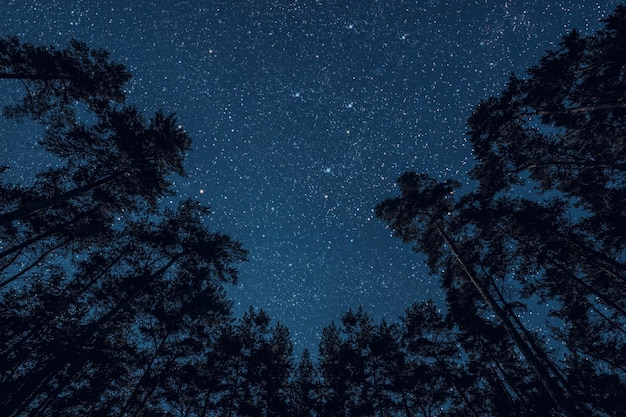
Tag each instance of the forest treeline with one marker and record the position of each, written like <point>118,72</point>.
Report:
<point>113,305</point>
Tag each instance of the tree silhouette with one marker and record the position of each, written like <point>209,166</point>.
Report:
<point>112,160</point>
<point>110,304</point>
<point>143,310</point>
<point>305,388</point>
<point>112,169</point>
<point>560,131</point>
<point>122,157</point>
<point>55,80</point>
<point>432,368</point>
<point>257,366</point>
<point>422,366</point>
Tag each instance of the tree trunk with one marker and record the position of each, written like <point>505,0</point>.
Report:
<point>24,212</point>
<point>34,263</point>
<point>37,384</point>
<point>561,395</point>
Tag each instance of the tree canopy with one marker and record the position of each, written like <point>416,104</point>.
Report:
<point>114,304</point>
<point>56,80</point>
<point>561,133</point>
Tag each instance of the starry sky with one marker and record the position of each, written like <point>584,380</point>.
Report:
<point>303,113</point>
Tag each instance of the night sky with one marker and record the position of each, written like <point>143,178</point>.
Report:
<point>303,114</point>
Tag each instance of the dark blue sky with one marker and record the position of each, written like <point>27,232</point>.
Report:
<point>303,113</point>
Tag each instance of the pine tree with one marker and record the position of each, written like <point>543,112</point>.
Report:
<point>112,161</point>
<point>109,303</point>
<point>359,364</point>
<point>305,388</point>
<point>256,365</point>
<point>560,132</point>
<point>151,305</point>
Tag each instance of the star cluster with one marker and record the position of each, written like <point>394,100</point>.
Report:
<point>303,114</point>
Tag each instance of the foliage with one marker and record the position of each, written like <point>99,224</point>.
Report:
<point>56,80</point>
<point>561,132</point>
<point>112,304</point>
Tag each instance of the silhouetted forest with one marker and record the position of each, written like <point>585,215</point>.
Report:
<point>112,305</point>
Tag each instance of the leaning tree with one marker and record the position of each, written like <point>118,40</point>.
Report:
<point>544,227</point>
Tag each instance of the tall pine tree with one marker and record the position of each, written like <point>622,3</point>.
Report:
<point>561,133</point>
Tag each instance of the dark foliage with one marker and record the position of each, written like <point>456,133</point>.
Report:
<point>56,80</point>
<point>112,305</point>
<point>560,132</point>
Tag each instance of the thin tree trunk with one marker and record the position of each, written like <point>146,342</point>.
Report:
<point>56,229</point>
<point>35,383</point>
<point>34,263</point>
<point>562,396</point>
<point>152,389</point>
<point>24,212</point>
<point>9,262</point>
<point>76,287</point>
<point>18,402</point>
<point>378,394</point>
<point>461,393</point>
<point>144,376</point>
<point>29,242</point>
<point>94,327</point>
<point>574,278</point>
